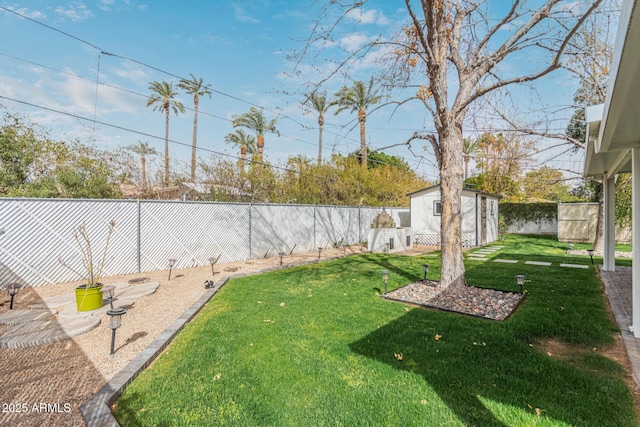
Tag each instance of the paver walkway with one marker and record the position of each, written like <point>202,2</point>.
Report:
<point>617,285</point>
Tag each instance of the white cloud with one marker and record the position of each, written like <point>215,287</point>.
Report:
<point>106,4</point>
<point>75,11</point>
<point>243,17</point>
<point>353,42</point>
<point>368,17</point>
<point>33,14</point>
<point>132,73</point>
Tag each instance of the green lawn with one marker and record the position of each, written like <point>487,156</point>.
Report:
<point>317,346</point>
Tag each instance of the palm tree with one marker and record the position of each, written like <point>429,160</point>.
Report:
<point>163,96</point>
<point>469,149</point>
<point>143,149</point>
<point>246,142</point>
<point>255,121</point>
<point>358,99</point>
<point>320,104</point>
<point>196,88</point>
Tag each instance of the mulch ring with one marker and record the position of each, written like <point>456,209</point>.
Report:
<point>479,302</point>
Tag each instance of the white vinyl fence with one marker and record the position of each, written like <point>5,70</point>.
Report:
<point>36,233</point>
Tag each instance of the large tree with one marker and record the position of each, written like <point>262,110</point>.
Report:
<point>320,104</point>
<point>163,100</point>
<point>256,122</point>
<point>454,52</point>
<point>197,88</point>
<point>358,99</point>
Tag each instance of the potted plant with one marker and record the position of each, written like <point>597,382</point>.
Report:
<point>89,295</point>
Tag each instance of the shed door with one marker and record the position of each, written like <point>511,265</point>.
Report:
<point>483,220</point>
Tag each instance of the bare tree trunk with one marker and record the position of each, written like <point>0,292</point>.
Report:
<point>195,139</point>
<point>166,147</point>
<point>362,117</point>
<point>452,271</point>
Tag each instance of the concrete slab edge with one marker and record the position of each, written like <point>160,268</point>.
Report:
<point>97,410</point>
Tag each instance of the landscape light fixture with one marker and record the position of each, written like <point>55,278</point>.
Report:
<point>319,251</point>
<point>281,255</point>
<point>344,249</point>
<point>107,293</point>
<point>115,320</point>
<point>172,263</point>
<point>520,281</point>
<point>385,278</point>
<point>590,252</point>
<point>387,248</point>
<point>12,288</point>
<point>212,261</point>
<point>570,246</point>
<point>425,268</point>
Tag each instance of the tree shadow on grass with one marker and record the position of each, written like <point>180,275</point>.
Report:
<point>472,363</point>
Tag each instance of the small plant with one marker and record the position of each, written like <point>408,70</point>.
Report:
<point>93,266</point>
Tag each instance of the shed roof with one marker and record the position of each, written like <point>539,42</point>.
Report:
<point>464,190</point>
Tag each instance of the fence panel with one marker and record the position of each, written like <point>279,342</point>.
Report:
<point>335,225</point>
<point>192,232</point>
<point>39,232</point>
<point>34,233</point>
<point>286,228</point>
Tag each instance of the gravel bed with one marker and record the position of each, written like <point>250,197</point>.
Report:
<point>480,302</point>
<point>66,374</point>
<point>585,253</point>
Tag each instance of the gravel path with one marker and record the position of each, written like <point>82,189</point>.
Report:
<point>486,303</point>
<point>46,385</point>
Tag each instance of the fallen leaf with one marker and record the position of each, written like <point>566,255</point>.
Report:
<point>398,356</point>
<point>549,354</point>
<point>424,402</point>
<point>282,304</point>
<point>143,409</point>
<point>437,337</point>
<point>217,377</point>
<point>538,411</point>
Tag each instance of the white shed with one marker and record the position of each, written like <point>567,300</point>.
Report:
<point>479,216</point>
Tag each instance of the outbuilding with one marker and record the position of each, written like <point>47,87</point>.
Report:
<point>479,216</point>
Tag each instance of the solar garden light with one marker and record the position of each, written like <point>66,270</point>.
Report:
<point>319,251</point>
<point>570,245</point>
<point>425,268</point>
<point>13,289</point>
<point>107,293</point>
<point>385,277</point>
<point>344,249</point>
<point>590,252</point>
<point>115,319</point>
<point>387,248</point>
<point>520,281</point>
<point>172,262</point>
<point>281,255</point>
<point>212,261</point>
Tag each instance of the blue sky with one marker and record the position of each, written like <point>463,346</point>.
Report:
<point>238,47</point>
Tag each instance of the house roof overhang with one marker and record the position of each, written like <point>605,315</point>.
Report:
<point>613,128</point>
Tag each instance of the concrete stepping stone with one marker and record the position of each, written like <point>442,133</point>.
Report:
<point>538,263</point>
<point>30,334</point>
<point>71,310</point>
<point>138,291</point>
<point>15,317</point>
<point>574,265</point>
<point>506,261</point>
<point>54,302</point>
<point>477,259</point>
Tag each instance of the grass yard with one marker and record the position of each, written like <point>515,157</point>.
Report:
<point>317,346</point>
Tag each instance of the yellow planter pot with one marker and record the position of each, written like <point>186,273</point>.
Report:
<point>88,299</point>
